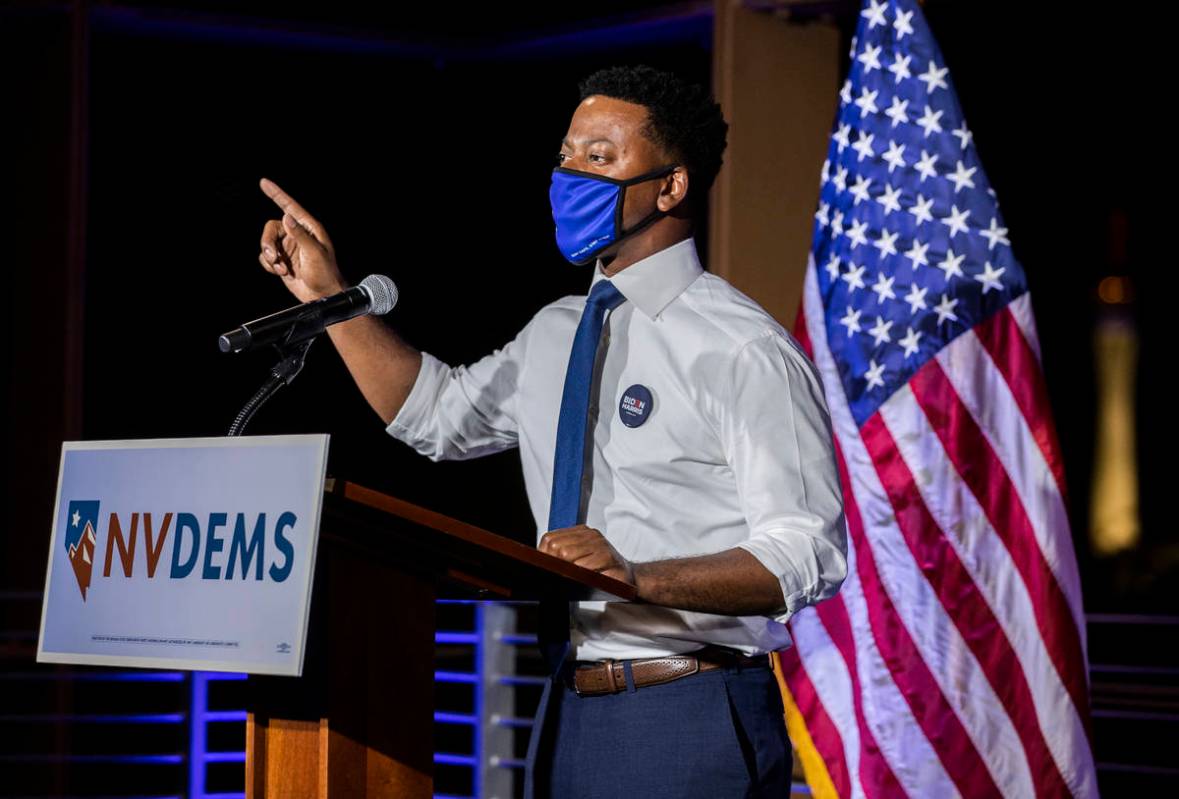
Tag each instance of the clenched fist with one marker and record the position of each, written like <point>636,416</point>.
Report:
<point>588,548</point>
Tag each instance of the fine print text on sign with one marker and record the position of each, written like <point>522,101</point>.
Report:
<point>191,553</point>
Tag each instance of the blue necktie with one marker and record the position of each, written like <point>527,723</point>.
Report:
<point>569,458</point>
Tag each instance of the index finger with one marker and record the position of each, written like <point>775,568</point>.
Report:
<point>287,203</point>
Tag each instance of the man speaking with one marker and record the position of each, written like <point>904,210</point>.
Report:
<point>672,435</point>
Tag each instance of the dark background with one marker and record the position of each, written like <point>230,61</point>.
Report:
<point>422,137</point>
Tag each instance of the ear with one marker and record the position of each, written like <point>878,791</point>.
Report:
<point>673,189</point>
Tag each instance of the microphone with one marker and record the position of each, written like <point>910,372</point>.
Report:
<point>376,294</point>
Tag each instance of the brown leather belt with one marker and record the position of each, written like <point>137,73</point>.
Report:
<point>609,676</point>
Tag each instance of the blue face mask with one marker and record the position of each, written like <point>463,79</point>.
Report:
<point>588,211</point>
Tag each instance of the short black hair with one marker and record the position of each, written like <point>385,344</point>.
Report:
<point>682,117</point>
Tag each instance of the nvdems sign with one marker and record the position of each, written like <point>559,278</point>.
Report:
<point>190,553</point>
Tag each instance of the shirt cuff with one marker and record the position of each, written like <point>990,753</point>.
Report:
<point>806,569</point>
<point>413,419</point>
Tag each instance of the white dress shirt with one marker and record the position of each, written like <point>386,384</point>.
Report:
<point>736,450</point>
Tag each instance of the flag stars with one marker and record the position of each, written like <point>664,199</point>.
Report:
<point>841,137</point>
<point>934,78</point>
<point>945,309</point>
<point>990,278</point>
<point>900,68</point>
<point>860,189</point>
<point>851,320</point>
<point>863,145</point>
<point>883,288</point>
<point>925,166</point>
<point>886,243</point>
<point>856,233</point>
<point>902,24</point>
<point>854,276</point>
<point>870,58</point>
<point>895,155</point>
<point>825,172</point>
<point>837,223</point>
<point>930,121</point>
<point>909,342</point>
<point>921,210</point>
<point>896,112</point>
<point>916,254</point>
<point>890,199</point>
<point>867,101</point>
<point>833,267</point>
<point>961,177</point>
<point>875,13</point>
<point>956,221</point>
<point>840,179</point>
<point>879,331</point>
<point>964,135</point>
<point>845,92</point>
<point>995,234</point>
<point>821,214</point>
<point>952,265</point>
<point>874,375</point>
<point>916,298</point>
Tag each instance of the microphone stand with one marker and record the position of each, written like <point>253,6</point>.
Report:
<point>290,363</point>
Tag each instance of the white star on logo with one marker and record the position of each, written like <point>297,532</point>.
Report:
<point>921,209</point>
<point>909,342</point>
<point>821,215</point>
<point>851,320</point>
<point>945,309</point>
<point>916,298</point>
<point>956,221</point>
<point>896,111</point>
<point>952,265</point>
<point>934,78</point>
<point>870,58</point>
<point>854,277</point>
<point>856,234</point>
<point>873,375</point>
<point>863,145</point>
<point>840,179</point>
<point>867,101</point>
<point>860,189</point>
<point>916,254</point>
<point>883,288</point>
<point>931,121</point>
<point>77,517</point>
<point>995,234</point>
<point>895,156</point>
<point>890,199</point>
<point>962,133</point>
<point>990,278</point>
<point>875,14</point>
<point>886,243</point>
<point>961,177</point>
<point>900,67</point>
<point>840,137</point>
<point>879,331</point>
<point>833,267</point>
<point>926,165</point>
<point>901,24</point>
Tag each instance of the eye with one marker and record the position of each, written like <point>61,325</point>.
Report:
<point>598,158</point>
<point>560,158</point>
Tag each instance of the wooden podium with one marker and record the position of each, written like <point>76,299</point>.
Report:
<point>359,722</point>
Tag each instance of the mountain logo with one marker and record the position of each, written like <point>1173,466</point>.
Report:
<point>80,540</point>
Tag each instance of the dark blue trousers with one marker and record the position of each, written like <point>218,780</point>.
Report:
<point>713,735</point>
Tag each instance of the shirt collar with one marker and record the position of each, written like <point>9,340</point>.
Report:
<point>655,281</point>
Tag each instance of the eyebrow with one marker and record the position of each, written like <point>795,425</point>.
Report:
<point>565,142</point>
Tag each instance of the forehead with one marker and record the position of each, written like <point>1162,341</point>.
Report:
<point>617,121</point>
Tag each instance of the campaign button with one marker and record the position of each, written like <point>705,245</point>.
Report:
<point>635,406</point>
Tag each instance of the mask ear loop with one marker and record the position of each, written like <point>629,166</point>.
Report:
<point>649,218</point>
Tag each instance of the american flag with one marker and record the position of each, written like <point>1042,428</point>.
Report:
<point>952,662</point>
